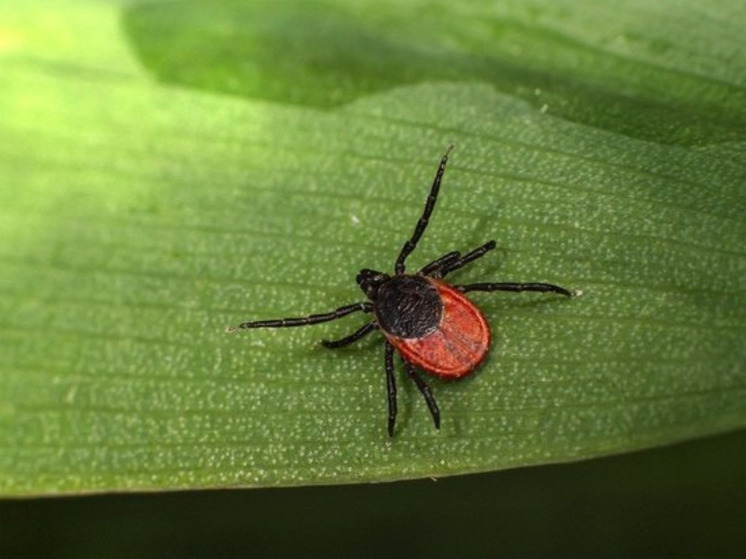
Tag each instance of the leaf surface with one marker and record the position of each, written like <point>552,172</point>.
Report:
<point>142,210</point>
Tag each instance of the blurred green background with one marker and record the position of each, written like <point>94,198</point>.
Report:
<point>687,500</point>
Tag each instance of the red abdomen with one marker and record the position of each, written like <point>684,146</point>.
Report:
<point>457,346</point>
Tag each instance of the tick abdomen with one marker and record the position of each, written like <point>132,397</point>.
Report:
<point>457,346</point>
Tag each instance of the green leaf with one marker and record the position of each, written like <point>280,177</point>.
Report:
<point>645,70</point>
<point>139,217</point>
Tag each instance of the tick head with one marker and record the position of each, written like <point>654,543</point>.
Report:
<point>370,281</point>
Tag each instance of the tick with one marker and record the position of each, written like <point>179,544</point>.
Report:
<point>433,326</point>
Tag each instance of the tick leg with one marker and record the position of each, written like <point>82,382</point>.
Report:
<point>390,386</point>
<point>517,287</point>
<point>419,229</point>
<point>306,320</point>
<point>355,336</point>
<point>426,393</point>
<point>468,258</point>
<point>437,265</point>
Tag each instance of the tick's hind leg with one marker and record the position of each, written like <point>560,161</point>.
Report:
<point>355,336</point>
<point>390,386</point>
<point>426,393</point>
<point>515,287</point>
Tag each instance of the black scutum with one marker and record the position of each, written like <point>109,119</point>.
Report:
<point>408,306</point>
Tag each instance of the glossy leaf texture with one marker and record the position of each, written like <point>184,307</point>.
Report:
<point>146,204</point>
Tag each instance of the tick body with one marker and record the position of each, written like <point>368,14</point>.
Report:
<point>433,326</point>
